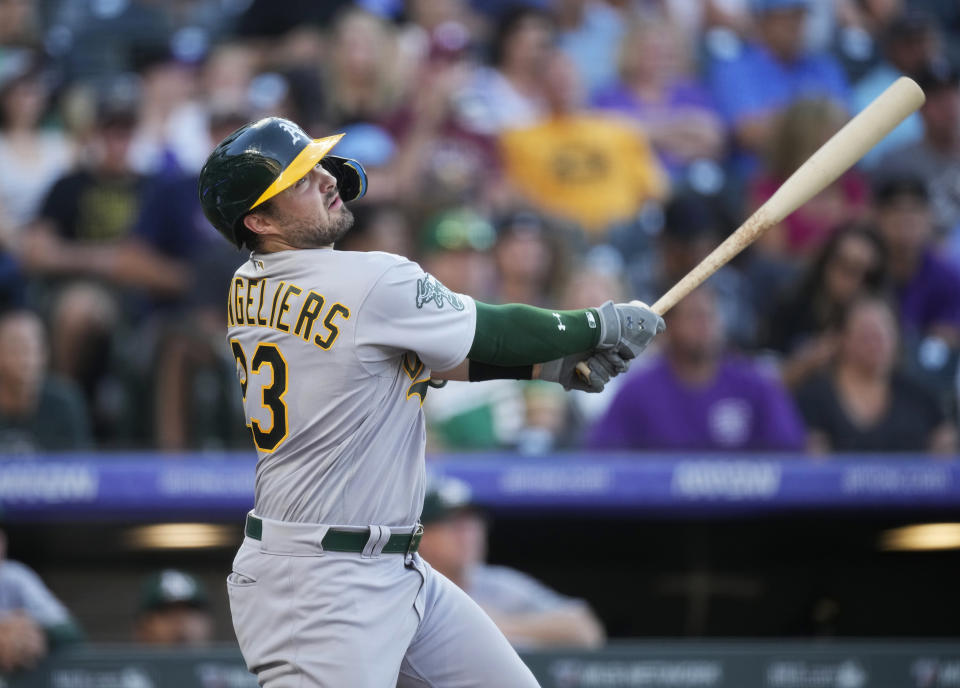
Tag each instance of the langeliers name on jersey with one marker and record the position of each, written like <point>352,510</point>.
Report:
<point>272,304</point>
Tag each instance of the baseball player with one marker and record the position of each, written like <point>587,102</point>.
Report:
<point>335,352</point>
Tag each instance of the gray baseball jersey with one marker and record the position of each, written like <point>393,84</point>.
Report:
<point>334,350</point>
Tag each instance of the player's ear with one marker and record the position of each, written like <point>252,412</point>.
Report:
<point>257,222</point>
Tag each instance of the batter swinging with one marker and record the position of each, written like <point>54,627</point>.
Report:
<point>335,351</point>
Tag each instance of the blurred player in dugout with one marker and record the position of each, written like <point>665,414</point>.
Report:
<point>174,611</point>
<point>527,612</point>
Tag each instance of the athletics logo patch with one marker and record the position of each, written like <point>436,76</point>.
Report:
<point>429,289</point>
<point>295,134</point>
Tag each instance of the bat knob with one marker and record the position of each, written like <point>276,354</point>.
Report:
<point>583,371</point>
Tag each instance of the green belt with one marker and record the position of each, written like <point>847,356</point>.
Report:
<point>349,540</point>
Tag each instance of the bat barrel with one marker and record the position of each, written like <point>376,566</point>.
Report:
<point>823,168</point>
<point>832,159</point>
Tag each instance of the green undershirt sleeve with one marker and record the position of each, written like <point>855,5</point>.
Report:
<point>516,335</point>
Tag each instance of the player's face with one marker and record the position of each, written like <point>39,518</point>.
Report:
<point>310,213</point>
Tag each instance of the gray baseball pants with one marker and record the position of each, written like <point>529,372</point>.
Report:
<point>306,618</point>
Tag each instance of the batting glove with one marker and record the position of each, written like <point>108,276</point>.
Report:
<point>627,328</point>
<point>603,365</point>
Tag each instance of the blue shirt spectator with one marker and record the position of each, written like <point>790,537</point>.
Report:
<point>757,83</point>
<point>590,34</point>
<point>752,82</point>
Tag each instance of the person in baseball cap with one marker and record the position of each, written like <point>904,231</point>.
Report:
<point>526,611</point>
<point>781,25</point>
<point>446,499</point>
<point>174,610</point>
<point>757,79</point>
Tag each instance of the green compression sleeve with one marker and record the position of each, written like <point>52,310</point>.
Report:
<point>517,335</point>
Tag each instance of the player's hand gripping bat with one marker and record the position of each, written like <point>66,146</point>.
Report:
<point>831,160</point>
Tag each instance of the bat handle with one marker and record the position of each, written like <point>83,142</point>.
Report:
<point>583,370</point>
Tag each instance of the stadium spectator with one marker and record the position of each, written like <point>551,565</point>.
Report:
<point>947,15</point>
<point>936,157</point>
<point>910,44</point>
<point>589,34</point>
<point>699,21</point>
<point>442,156</point>
<point>862,403</point>
<point>524,416</point>
<point>33,622</point>
<point>801,130</point>
<point>226,75</point>
<point>19,26</point>
<point>488,418</point>
<point>697,397</point>
<point>529,259</point>
<point>692,228</point>
<point>361,83</point>
<point>270,21</point>
<point>599,278</point>
<point>82,250</point>
<point>169,219</point>
<point>173,611</point>
<point>529,614</point>
<point>655,87</point>
<point>429,15</point>
<point>587,167</point>
<point>12,282</point>
<point>186,327</point>
<point>754,81</point>
<point>927,287</point>
<point>379,227</point>
<point>171,131</point>
<point>32,157</point>
<point>803,325</point>
<point>38,412</point>
<point>454,247</point>
<point>509,93</point>
<point>93,45</point>
<point>869,17</point>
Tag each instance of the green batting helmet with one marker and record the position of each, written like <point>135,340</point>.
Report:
<point>261,159</point>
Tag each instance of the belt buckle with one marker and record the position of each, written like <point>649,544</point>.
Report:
<point>415,538</point>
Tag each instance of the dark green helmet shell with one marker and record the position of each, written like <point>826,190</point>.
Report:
<point>261,159</point>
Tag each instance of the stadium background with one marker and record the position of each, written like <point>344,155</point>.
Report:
<point>551,152</point>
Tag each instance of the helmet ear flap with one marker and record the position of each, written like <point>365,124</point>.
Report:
<point>350,175</point>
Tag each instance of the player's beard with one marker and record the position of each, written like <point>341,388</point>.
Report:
<point>316,233</point>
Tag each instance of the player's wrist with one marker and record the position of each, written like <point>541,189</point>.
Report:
<point>608,334</point>
<point>479,372</point>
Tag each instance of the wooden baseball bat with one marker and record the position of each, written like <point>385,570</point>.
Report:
<point>821,169</point>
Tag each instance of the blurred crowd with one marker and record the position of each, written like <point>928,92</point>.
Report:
<point>552,152</point>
